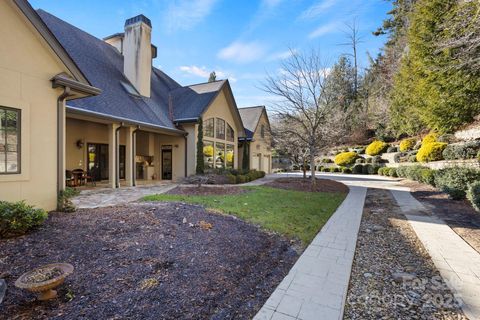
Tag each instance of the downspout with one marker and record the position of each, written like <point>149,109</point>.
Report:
<point>186,153</point>
<point>61,138</point>
<point>134,151</point>
<point>117,156</point>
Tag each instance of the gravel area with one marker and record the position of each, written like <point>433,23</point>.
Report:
<point>458,214</point>
<point>300,184</point>
<point>393,276</point>
<point>147,261</point>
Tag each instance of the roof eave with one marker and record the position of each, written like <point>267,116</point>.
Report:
<point>60,80</point>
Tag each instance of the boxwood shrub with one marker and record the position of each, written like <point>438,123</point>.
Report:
<point>455,180</point>
<point>16,218</point>
<point>376,147</point>
<point>346,170</point>
<point>468,150</point>
<point>473,194</point>
<point>431,152</point>
<point>358,168</point>
<point>345,158</point>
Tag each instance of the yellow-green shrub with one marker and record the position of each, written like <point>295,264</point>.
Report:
<point>431,151</point>
<point>376,147</point>
<point>429,138</point>
<point>407,144</point>
<point>345,158</point>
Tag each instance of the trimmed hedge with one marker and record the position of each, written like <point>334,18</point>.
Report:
<point>407,144</point>
<point>455,180</point>
<point>431,152</point>
<point>16,218</point>
<point>376,147</point>
<point>345,158</point>
<point>468,150</point>
<point>473,194</point>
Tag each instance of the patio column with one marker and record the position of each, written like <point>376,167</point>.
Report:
<point>129,152</point>
<point>112,154</point>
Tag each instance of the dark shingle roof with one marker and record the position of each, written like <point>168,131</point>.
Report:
<point>250,117</point>
<point>102,64</point>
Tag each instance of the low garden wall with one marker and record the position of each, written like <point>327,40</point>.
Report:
<point>472,163</point>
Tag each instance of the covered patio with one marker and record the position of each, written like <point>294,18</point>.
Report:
<point>101,153</point>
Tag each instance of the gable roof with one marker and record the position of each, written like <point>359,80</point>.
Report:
<point>102,65</point>
<point>250,118</point>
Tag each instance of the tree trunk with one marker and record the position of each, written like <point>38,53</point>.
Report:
<point>304,169</point>
<point>312,166</point>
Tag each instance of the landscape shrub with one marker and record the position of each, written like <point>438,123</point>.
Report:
<point>392,172</point>
<point>429,138</point>
<point>407,144</point>
<point>359,150</point>
<point>455,180</point>
<point>367,168</point>
<point>431,152</point>
<point>232,179</point>
<point>412,158</point>
<point>381,171</point>
<point>325,169</point>
<point>401,171</point>
<point>346,170</point>
<point>368,160</point>
<point>473,194</point>
<point>376,147</point>
<point>360,160</point>
<point>448,138</point>
<point>468,150</point>
<point>345,158</point>
<point>392,149</point>
<point>399,157</point>
<point>358,168</point>
<point>16,218</point>
<point>427,176</point>
<point>64,204</point>
<point>327,160</point>
<point>373,169</point>
<point>241,179</point>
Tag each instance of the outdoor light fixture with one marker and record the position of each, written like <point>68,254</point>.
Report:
<point>79,143</point>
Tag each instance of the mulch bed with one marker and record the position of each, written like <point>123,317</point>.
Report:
<point>147,261</point>
<point>458,214</point>
<point>206,191</point>
<point>300,184</point>
<point>388,245</point>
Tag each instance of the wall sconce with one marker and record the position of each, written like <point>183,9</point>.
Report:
<point>176,146</point>
<point>79,144</point>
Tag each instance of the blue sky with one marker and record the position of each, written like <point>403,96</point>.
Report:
<point>241,40</point>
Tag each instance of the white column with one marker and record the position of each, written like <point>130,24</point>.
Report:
<point>112,155</point>
<point>61,146</point>
<point>129,152</point>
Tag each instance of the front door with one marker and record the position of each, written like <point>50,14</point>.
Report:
<point>166,162</point>
<point>97,161</point>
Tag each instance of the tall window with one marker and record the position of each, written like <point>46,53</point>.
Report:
<point>9,140</point>
<point>219,155</point>
<point>208,154</point>
<point>208,127</point>
<point>220,130</point>
<point>229,156</point>
<point>230,133</point>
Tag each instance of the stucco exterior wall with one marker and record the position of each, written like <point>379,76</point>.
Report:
<point>25,85</point>
<point>261,147</point>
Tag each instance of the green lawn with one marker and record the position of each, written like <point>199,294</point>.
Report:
<point>292,213</point>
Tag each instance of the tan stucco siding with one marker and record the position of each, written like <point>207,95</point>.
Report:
<point>192,130</point>
<point>178,155</point>
<point>260,147</point>
<point>26,66</point>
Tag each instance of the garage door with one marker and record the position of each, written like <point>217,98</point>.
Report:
<point>255,163</point>
<point>266,164</point>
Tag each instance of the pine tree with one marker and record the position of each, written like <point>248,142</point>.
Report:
<point>212,77</point>
<point>200,169</point>
<point>246,157</point>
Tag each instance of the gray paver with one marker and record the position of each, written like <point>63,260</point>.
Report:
<point>316,286</point>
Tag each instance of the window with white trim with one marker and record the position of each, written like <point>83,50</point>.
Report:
<point>9,140</point>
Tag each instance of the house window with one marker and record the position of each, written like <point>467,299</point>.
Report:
<point>229,156</point>
<point>230,133</point>
<point>219,155</point>
<point>220,130</point>
<point>262,131</point>
<point>9,140</point>
<point>208,127</point>
<point>208,154</point>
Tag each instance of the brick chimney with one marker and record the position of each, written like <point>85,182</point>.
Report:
<point>137,53</point>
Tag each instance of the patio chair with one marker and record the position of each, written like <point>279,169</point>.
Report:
<point>69,180</point>
<point>90,175</point>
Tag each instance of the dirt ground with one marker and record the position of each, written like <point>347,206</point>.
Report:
<point>300,184</point>
<point>458,214</point>
<point>393,276</point>
<point>206,191</point>
<point>147,261</point>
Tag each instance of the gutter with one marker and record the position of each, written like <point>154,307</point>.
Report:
<point>121,119</point>
<point>62,80</point>
<point>186,153</point>
<point>134,153</point>
<point>61,138</point>
<point>186,120</point>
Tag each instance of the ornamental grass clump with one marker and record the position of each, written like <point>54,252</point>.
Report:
<point>345,158</point>
<point>376,147</point>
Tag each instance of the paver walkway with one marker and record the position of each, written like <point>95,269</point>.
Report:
<point>316,286</point>
<point>458,262</point>
<point>106,197</point>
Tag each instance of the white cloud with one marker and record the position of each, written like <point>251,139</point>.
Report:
<point>317,9</point>
<point>324,29</point>
<point>204,72</point>
<point>185,14</point>
<point>242,52</point>
<point>281,55</point>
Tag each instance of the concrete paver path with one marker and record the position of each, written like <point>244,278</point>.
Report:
<point>316,286</point>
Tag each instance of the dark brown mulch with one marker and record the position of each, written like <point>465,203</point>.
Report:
<point>300,184</point>
<point>387,245</point>
<point>148,261</point>
<point>206,191</point>
<point>458,214</point>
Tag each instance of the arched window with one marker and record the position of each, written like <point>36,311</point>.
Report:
<point>219,145</point>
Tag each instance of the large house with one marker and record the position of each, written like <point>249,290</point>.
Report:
<point>71,101</point>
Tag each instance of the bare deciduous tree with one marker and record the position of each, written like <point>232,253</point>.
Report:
<point>304,103</point>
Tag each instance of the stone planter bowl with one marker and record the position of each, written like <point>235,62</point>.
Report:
<point>44,288</point>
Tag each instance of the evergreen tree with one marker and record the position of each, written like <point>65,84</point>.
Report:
<point>246,156</point>
<point>200,169</point>
<point>212,77</point>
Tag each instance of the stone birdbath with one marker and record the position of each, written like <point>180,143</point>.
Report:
<point>44,279</point>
